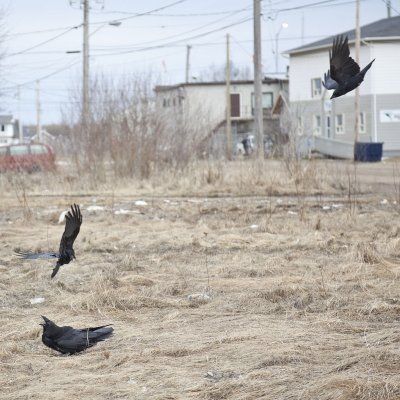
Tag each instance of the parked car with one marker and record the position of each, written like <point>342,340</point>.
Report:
<point>29,157</point>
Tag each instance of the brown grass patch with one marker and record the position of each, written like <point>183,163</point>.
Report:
<point>235,281</point>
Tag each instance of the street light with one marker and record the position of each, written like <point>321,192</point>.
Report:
<point>283,26</point>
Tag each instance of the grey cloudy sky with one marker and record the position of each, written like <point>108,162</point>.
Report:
<point>39,33</point>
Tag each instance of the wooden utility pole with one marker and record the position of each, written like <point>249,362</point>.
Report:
<point>85,81</point>
<point>20,129</point>
<point>228,102</point>
<point>258,112</point>
<point>38,112</point>
<point>187,63</point>
<point>357,91</point>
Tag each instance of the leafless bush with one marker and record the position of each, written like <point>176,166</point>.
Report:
<point>353,188</point>
<point>132,133</point>
<point>19,183</point>
<point>303,172</point>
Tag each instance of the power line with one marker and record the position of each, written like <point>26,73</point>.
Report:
<point>189,31</point>
<point>391,7</point>
<point>206,14</point>
<point>42,43</point>
<point>322,3</point>
<point>38,31</point>
<point>136,15</point>
<point>94,23</point>
<point>178,42</point>
<point>43,77</point>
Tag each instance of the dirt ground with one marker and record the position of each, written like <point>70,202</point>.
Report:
<point>285,287</point>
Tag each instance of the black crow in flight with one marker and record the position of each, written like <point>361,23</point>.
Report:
<point>66,252</point>
<point>344,74</point>
<point>68,340</point>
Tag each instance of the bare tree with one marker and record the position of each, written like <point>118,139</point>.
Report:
<point>216,73</point>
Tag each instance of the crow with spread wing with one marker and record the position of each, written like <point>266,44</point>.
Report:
<point>68,340</point>
<point>66,252</point>
<point>344,74</point>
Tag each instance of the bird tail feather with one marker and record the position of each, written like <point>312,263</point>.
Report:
<point>55,270</point>
<point>364,71</point>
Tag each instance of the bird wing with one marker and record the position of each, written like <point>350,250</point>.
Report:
<point>28,255</point>
<point>342,66</point>
<point>328,82</point>
<point>72,226</point>
<point>98,329</point>
<point>78,340</point>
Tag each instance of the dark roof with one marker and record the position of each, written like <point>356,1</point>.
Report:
<point>266,80</point>
<point>384,28</point>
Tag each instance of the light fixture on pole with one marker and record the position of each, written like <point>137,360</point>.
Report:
<point>284,25</point>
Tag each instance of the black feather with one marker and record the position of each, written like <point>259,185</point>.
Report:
<point>66,251</point>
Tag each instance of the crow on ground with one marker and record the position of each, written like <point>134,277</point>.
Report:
<point>68,340</point>
<point>66,252</point>
<point>344,74</point>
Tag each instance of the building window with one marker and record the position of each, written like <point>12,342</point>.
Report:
<point>362,123</point>
<point>300,126</point>
<point>267,101</point>
<point>317,125</point>
<point>3,128</point>
<point>339,124</point>
<point>316,87</point>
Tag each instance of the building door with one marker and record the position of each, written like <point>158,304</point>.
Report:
<point>235,105</point>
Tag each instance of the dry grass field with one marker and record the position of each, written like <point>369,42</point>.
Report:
<point>228,281</point>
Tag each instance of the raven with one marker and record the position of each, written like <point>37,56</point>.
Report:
<point>344,74</point>
<point>68,340</point>
<point>66,252</point>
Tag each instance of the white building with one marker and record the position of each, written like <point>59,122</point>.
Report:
<point>317,115</point>
<point>208,100</point>
<point>9,130</point>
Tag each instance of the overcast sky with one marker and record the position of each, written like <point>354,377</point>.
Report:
<point>38,33</point>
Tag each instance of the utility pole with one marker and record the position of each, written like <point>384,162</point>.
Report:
<point>188,47</point>
<point>258,112</point>
<point>38,112</point>
<point>228,102</point>
<point>389,8</point>
<point>20,130</point>
<point>85,81</point>
<point>357,92</point>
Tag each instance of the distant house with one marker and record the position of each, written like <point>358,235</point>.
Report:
<point>209,99</point>
<point>333,120</point>
<point>9,130</point>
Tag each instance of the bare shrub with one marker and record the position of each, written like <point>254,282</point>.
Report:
<point>132,133</point>
<point>19,183</point>
<point>366,253</point>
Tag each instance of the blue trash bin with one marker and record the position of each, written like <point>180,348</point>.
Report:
<point>366,151</point>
